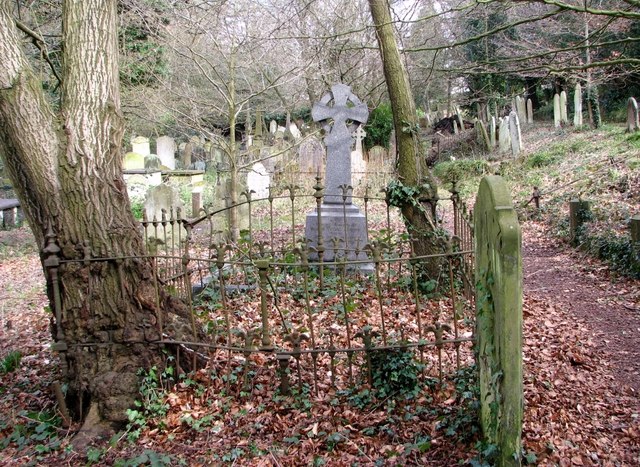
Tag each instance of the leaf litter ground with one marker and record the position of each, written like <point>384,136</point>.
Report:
<point>581,352</point>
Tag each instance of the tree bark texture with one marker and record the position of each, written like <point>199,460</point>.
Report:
<point>411,164</point>
<point>67,172</point>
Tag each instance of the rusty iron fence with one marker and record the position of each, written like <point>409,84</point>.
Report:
<point>268,311</point>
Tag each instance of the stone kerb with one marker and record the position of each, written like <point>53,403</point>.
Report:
<point>499,318</point>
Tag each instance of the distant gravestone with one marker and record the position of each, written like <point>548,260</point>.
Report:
<point>577,106</point>
<point>515,133</point>
<point>504,139</point>
<point>273,127</point>
<point>377,157</point>
<point>258,180</point>
<point>133,161</point>
<point>633,121</point>
<point>166,150</point>
<point>529,111</point>
<point>295,131</point>
<point>338,218</point>
<point>492,132</point>
<point>563,108</point>
<point>140,145</point>
<point>159,198</point>
<point>311,155</point>
<point>521,109</point>
<point>556,111</point>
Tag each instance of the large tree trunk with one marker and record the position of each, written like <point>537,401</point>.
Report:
<point>411,164</point>
<point>67,172</point>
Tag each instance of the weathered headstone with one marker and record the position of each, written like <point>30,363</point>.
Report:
<point>140,145</point>
<point>166,149</point>
<point>499,319</point>
<point>504,138</point>
<point>633,121</point>
<point>521,109</point>
<point>273,127</point>
<point>377,157</point>
<point>338,217</point>
<point>258,180</point>
<point>515,134</point>
<point>161,197</point>
<point>492,132</point>
<point>529,111</point>
<point>577,106</point>
<point>563,108</point>
<point>556,111</point>
<point>133,161</point>
<point>311,155</point>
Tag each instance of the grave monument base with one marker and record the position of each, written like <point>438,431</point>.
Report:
<point>338,219</point>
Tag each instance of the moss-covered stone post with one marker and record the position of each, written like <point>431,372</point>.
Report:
<point>579,211</point>
<point>635,229</point>
<point>499,319</point>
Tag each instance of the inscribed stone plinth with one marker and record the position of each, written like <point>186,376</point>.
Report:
<point>338,218</point>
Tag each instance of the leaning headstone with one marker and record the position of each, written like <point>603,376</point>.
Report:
<point>556,110</point>
<point>258,180</point>
<point>577,106</point>
<point>338,217</point>
<point>504,138</point>
<point>515,134</point>
<point>563,108</point>
<point>295,131</point>
<point>166,150</point>
<point>529,111</point>
<point>633,122</point>
<point>484,136</point>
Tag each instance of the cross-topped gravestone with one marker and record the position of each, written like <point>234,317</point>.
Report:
<point>339,119</point>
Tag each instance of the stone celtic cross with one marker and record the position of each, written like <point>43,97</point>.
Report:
<point>346,112</point>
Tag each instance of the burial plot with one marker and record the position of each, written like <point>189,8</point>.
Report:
<point>338,222</point>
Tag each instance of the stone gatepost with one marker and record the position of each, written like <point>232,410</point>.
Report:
<point>499,319</point>
<point>337,221</point>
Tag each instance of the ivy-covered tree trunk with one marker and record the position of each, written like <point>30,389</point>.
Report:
<point>413,174</point>
<point>66,167</point>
